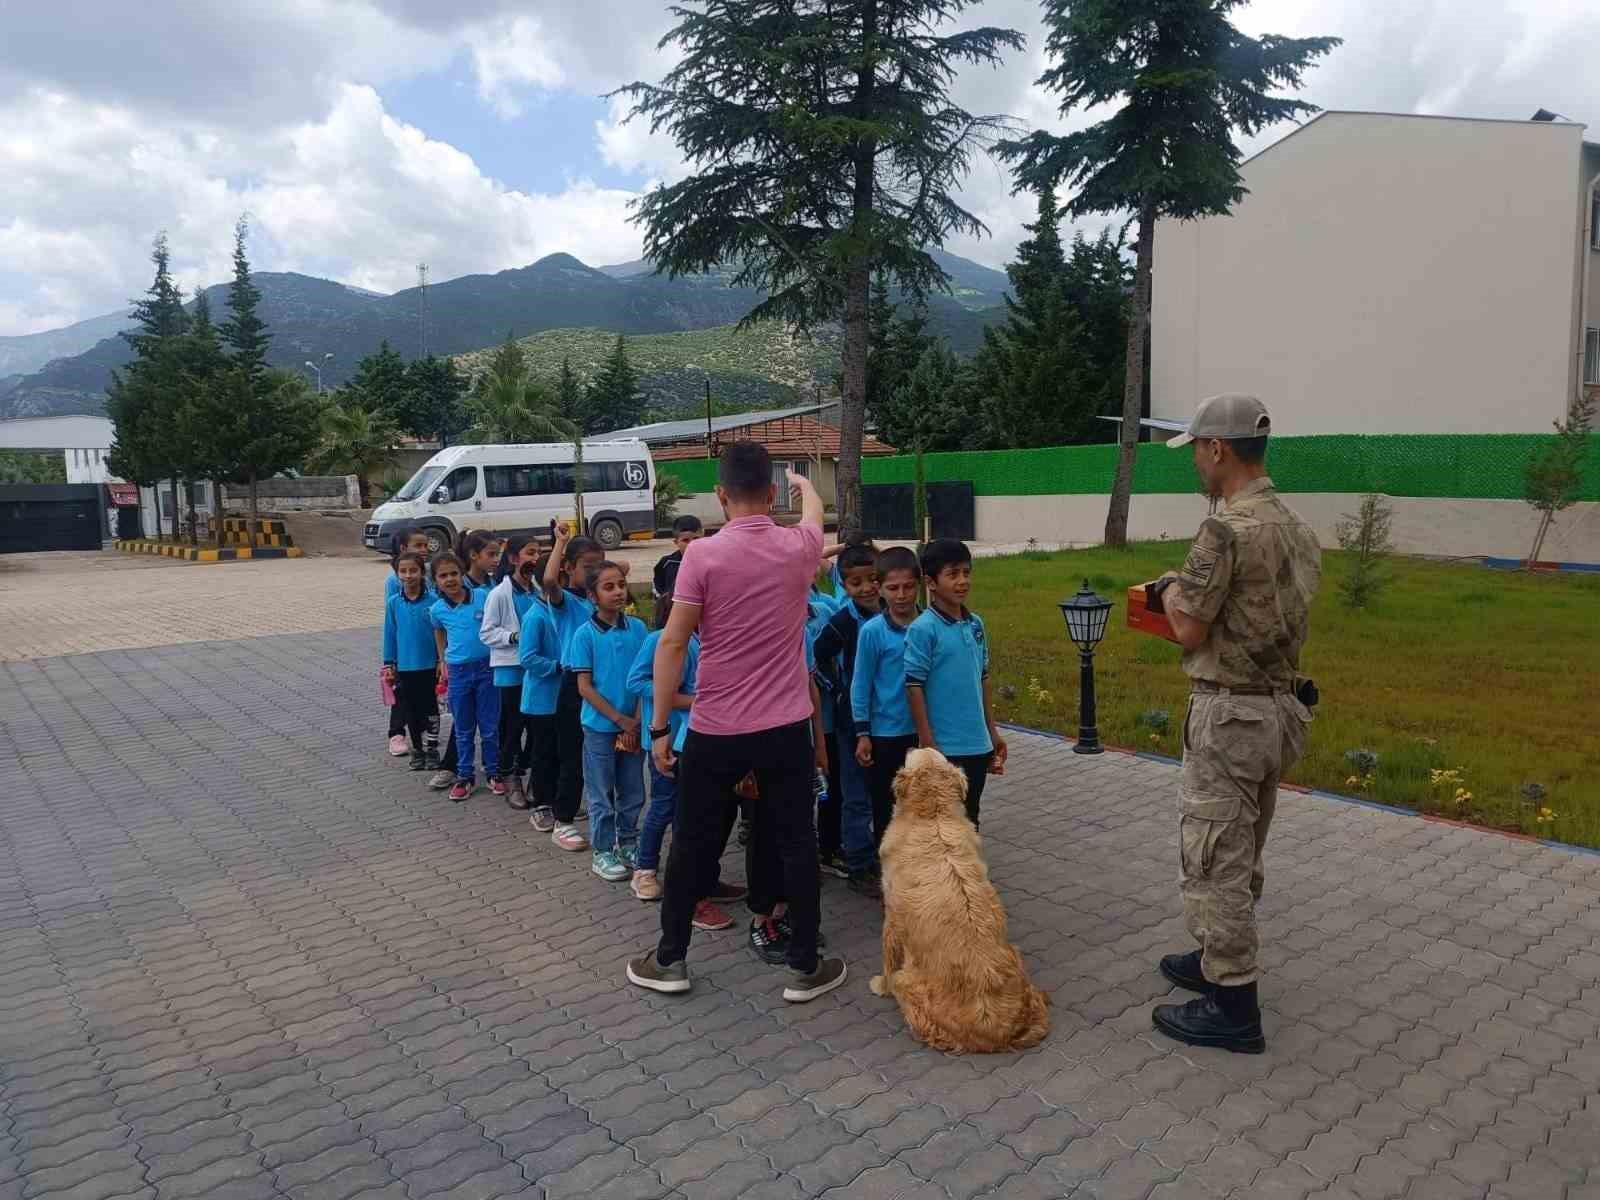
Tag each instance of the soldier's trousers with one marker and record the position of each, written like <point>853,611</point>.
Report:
<point>1235,748</point>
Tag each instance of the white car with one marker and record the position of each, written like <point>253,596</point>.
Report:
<point>521,489</point>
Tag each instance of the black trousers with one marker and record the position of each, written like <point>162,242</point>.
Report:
<point>783,762</point>
<point>976,768</point>
<point>515,753</point>
<point>417,706</point>
<point>888,756</point>
<point>828,837</point>
<point>545,763</point>
<point>569,748</point>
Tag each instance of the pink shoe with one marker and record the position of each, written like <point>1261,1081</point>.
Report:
<point>398,746</point>
<point>461,789</point>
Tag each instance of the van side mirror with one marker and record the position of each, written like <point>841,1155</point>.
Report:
<point>441,496</point>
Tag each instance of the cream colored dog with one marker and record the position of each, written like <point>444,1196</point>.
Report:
<point>960,984</point>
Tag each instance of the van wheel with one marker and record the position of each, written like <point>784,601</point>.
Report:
<point>607,532</point>
<point>438,540</point>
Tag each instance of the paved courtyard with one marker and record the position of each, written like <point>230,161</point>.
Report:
<point>247,955</point>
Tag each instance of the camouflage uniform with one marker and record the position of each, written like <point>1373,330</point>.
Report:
<point>1251,574</point>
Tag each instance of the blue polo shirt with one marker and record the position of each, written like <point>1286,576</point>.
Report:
<point>948,659</point>
<point>408,633</point>
<point>539,652</point>
<point>463,627</point>
<point>878,689</point>
<point>606,652</point>
<point>819,607</point>
<point>641,682</point>
<point>522,599</point>
<point>575,611</point>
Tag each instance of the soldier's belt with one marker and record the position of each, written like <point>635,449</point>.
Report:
<point>1205,685</point>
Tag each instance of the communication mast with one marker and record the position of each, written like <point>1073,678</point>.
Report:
<point>422,308</point>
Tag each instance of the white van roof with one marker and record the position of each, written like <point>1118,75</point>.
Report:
<point>505,453</point>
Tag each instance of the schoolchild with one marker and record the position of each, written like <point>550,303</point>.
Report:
<point>411,659</point>
<point>508,602</point>
<point>885,733</point>
<point>457,617</point>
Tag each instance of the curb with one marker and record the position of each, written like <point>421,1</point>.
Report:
<point>207,553</point>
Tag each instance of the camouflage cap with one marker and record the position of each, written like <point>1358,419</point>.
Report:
<point>1230,416</point>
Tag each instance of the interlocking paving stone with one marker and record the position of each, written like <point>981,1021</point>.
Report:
<point>217,984</point>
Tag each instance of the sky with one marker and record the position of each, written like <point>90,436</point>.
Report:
<point>365,136</point>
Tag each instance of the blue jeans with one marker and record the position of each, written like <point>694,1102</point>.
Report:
<point>855,795</point>
<point>475,709</point>
<point>613,786</point>
<point>659,816</point>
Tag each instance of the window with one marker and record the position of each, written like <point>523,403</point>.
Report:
<point>511,481</point>
<point>462,483</point>
<point>166,504</point>
<point>421,484</point>
<point>1591,355</point>
<point>200,495</point>
<point>1594,222</point>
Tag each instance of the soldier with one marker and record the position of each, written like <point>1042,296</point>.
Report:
<point>1239,608</point>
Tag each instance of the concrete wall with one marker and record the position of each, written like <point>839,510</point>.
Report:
<point>1449,528</point>
<point>307,492</point>
<point>1386,274</point>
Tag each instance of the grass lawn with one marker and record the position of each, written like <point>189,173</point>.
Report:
<point>1493,675</point>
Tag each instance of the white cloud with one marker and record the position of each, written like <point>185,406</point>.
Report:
<point>508,55</point>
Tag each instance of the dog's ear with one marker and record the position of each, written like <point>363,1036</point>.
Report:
<point>928,785</point>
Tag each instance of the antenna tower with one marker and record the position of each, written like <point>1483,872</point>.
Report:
<point>422,307</point>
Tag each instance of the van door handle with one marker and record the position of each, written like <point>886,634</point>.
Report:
<point>477,504</point>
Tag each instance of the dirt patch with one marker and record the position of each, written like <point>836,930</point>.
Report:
<point>333,534</point>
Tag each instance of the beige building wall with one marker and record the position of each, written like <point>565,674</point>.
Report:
<point>1386,274</point>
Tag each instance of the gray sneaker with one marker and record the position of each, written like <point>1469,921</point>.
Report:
<point>543,818</point>
<point>830,973</point>
<point>645,972</point>
<point>441,780</point>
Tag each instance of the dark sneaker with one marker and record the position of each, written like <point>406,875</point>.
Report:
<point>830,973</point>
<point>831,862</point>
<point>1202,1022</point>
<point>418,762</point>
<point>430,760</point>
<point>461,789</point>
<point>646,972</point>
<point>710,918</point>
<point>769,941</point>
<point>866,883</point>
<point>543,818</point>
<point>786,931</point>
<point>728,893</point>
<point>517,794</point>
<point>1184,971</point>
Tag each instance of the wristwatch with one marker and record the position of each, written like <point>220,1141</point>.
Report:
<point>660,733</point>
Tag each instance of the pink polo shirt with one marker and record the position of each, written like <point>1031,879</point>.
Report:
<point>750,581</point>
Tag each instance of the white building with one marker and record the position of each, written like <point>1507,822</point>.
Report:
<point>84,442</point>
<point>1391,274</point>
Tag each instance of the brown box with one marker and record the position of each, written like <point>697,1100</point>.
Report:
<point>1141,618</point>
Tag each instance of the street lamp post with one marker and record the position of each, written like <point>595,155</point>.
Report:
<point>317,367</point>
<point>1086,615</point>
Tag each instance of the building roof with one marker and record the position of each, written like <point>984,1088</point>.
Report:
<point>796,434</point>
<point>695,427</point>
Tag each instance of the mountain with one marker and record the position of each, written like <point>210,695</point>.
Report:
<point>29,351</point>
<point>310,317</point>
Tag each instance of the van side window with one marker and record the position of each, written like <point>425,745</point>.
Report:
<point>462,483</point>
<point>512,481</point>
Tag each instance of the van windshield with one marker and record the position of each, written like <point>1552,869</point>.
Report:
<point>420,483</point>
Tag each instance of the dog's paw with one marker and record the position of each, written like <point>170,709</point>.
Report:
<point>877,986</point>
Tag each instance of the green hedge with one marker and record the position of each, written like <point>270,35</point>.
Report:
<point>1465,466</point>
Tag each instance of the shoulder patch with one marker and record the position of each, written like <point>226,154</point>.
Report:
<point>1199,565</point>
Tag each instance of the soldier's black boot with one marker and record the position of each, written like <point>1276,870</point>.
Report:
<point>1228,1018</point>
<point>1184,971</point>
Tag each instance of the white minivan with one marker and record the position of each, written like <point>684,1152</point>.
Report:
<point>521,489</point>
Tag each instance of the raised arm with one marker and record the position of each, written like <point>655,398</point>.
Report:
<point>810,502</point>
<point>552,569</point>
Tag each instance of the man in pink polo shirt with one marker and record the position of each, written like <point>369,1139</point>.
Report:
<point>745,590</point>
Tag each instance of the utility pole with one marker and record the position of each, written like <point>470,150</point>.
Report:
<point>708,416</point>
<point>422,309</point>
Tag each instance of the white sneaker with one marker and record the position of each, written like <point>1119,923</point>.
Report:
<point>567,837</point>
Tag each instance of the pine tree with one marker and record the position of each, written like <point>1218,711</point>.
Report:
<point>614,400</point>
<point>825,146</point>
<point>1188,79</point>
<point>380,384</point>
<point>431,404</point>
<point>160,314</point>
<point>244,332</point>
<point>569,394</point>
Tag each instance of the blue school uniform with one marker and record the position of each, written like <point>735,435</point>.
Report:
<point>391,587</point>
<point>539,651</point>
<point>606,652</point>
<point>474,700</point>
<point>949,659</point>
<point>878,688</point>
<point>408,633</point>
<point>571,615</point>
<point>641,681</point>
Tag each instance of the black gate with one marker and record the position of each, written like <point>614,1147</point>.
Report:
<point>889,511</point>
<point>50,516</point>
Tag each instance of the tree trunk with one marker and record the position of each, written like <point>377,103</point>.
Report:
<point>1133,382</point>
<point>363,489</point>
<point>919,498</point>
<point>255,512</point>
<point>1545,519</point>
<point>852,410</point>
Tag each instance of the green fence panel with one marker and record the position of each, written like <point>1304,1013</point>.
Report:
<point>1465,466</point>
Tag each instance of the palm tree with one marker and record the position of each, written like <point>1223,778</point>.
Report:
<point>355,442</point>
<point>510,407</point>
